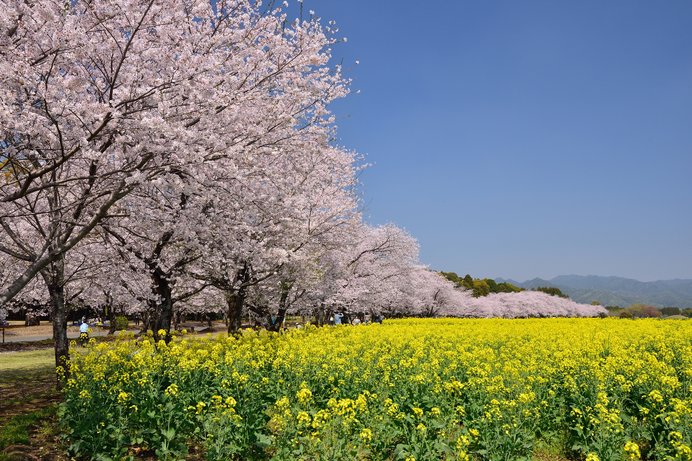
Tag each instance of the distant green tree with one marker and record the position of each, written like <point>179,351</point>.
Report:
<point>480,288</point>
<point>452,277</point>
<point>468,282</point>
<point>492,285</point>
<point>553,291</point>
<point>671,311</point>
<point>506,287</point>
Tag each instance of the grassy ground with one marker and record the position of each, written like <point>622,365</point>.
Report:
<point>28,360</point>
<point>28,405</point>
<point>25,346</point>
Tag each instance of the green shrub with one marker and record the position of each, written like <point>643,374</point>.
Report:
<point>671,311</point>
<point>121,323</point>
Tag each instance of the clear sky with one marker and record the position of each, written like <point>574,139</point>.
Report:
<point>525,139</point>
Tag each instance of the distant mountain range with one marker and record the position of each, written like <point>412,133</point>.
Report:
<point>617,291</point>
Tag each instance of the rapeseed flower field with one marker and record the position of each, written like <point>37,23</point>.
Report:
<point>438,389</point>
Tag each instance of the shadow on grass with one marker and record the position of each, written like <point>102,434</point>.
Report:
<point>28,428</point>
<point>26,345</point>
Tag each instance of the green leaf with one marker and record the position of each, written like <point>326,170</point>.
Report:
<point>169,434</point>
<point>263,440</point>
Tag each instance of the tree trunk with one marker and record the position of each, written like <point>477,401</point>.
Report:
<point>164,305</point>
<point>59,315</point>
<point>111,313</point>
<point>322,315</point>
<point>145,317</point>
<point>235,300</point>
<point>54,278</point>
<point>177,320</point>
<point>275,324</point>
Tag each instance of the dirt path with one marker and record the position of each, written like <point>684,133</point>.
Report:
<point>17,330</point>
<point>38,333</point>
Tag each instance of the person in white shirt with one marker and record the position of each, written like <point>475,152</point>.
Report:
<point>83,332</point>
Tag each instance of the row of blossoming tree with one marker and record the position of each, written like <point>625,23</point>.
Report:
<point>179,156</point>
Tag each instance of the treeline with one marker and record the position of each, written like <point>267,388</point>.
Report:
<point>483,287</point>
<point>639,311</point>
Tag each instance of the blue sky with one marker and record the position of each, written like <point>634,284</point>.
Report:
<point>525,139</point>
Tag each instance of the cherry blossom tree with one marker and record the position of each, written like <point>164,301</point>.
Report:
<point>100,97</point>
<point>527,304</point>
<point>432,295</point>
<point>369,270</point>
<point>292,199</point>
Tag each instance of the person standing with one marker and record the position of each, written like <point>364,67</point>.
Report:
<point>83,332</point>
<point>337,318</point>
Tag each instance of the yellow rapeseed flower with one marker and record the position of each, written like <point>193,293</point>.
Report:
<point>366,435</point>
<point>632,450</point>
<point>304,395</point>
<point>172,390</point>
